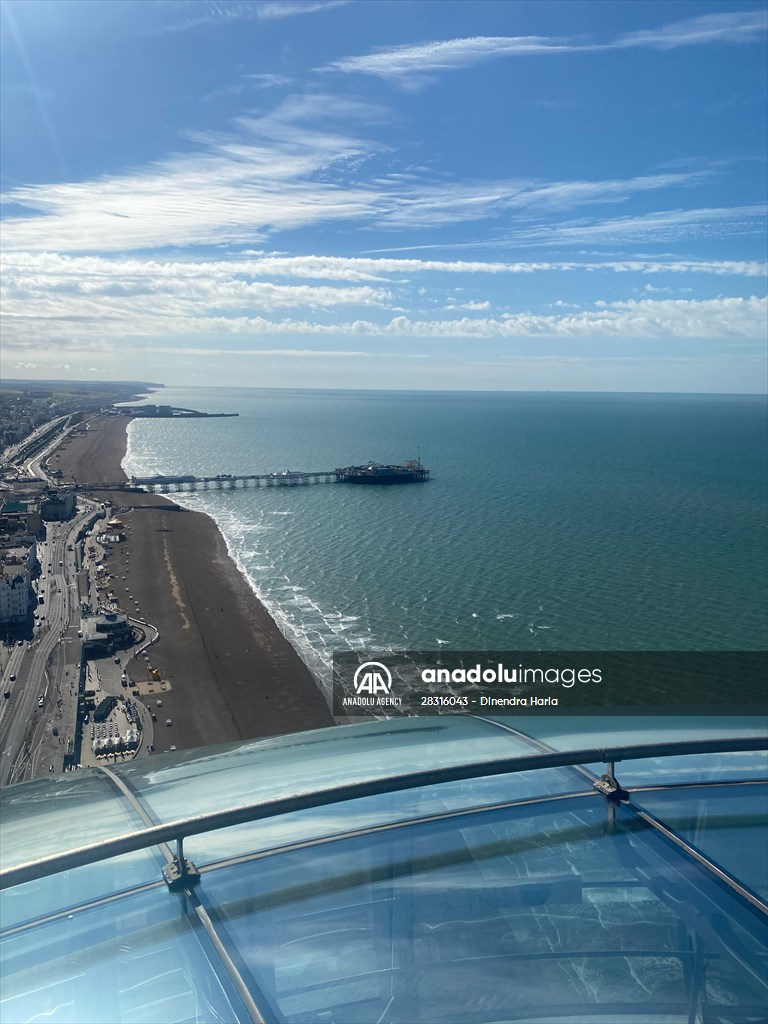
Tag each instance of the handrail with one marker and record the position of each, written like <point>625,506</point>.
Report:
<point>210,822</point>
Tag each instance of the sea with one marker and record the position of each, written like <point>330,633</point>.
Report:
<point>551,521</point>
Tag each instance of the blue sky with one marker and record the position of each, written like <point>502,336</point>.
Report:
<point>504,195</point>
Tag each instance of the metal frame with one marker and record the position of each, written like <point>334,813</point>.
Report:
<point>200,824</point>
<point>160,835</point>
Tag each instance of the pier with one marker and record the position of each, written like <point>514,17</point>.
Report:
<point>412,472</point>
<point>166,484</point>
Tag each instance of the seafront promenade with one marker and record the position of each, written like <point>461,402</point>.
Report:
<point>232,673</point>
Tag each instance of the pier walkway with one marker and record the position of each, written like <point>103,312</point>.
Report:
<point>167,484</point>
<point>371,473</point>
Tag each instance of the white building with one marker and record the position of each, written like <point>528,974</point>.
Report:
<point>14,594</point>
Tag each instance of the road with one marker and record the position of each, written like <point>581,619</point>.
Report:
<point>20,715</point>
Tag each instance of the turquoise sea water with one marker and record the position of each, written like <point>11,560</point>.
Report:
<point>552,521</point>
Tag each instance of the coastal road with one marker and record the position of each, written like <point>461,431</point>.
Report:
<point>20,716</point>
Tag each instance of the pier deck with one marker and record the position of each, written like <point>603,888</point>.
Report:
<point>227,481</point>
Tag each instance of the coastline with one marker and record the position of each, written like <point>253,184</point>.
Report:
<point>233,674</point>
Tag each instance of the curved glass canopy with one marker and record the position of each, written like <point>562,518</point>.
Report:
<point>408,872</point>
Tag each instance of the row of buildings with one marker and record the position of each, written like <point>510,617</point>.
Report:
<point>25,506</point>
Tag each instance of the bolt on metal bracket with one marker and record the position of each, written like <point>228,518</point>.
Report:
<point>180,873</point>
<point>610,787</point>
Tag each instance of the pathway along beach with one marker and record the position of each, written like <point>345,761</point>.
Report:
<point>233,674</point>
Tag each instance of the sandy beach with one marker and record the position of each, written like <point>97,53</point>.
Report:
<point>233,674</point>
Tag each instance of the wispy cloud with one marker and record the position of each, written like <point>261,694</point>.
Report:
<point>433,204</point>
<point>660,226</point>
<point>472,306</point>
<point>288,169</point>
<point>269,175</point>
<point>726,27</point>
<point>224,12</point>
<point>268,81</point>
<point>290,8</point>
<point>411,63</point>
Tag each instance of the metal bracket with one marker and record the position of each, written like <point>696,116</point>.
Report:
<point>610,787</point>
<point>180,874</point>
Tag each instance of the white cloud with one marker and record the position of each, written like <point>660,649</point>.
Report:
<point>267,81</point>
<point>412,63</point>
<point>720,319</point>
<point>225,12</point>
<point>290,8</point>
<point>234,188</point>
<point>646,318</point>
<point>726,27</point>
<point>442,55</point>
<point>437,204</point>
<point>45,293</point>
<point>272,176</point>
<point>357,268</point>
<point>662,225</point>
<point>473,306</point>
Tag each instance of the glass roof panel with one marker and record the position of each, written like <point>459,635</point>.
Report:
<point>135,961</point>
<point>196,781</point>
<point>541,912</point>
<point>55,814</point>
<point>55,893</point>
<point>574,732</point>
<point>338,818</point>
<point>73,809</point>
<point>728,824</point>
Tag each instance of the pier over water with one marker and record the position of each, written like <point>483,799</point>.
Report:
<point>371,473</point>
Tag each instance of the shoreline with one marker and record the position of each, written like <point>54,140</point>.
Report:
<point>233,673</point>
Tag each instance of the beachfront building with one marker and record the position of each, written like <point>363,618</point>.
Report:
<point>103,634</point>
<point>451,869</point>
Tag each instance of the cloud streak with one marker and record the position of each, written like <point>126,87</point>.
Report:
<point>226,12</point>
<point>286,170</point>
<point>411,63</point>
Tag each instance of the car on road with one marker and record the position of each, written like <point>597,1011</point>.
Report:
<point>13,677</point>
<point>168,721</point>
<point>21,643</point>
<point>7,695</point>
<point>41,702</point>
<point>117,661</point>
